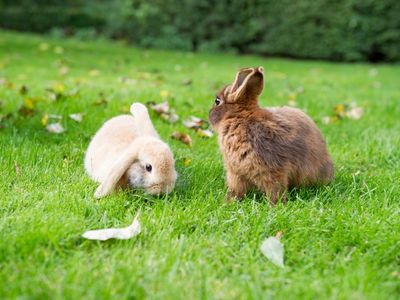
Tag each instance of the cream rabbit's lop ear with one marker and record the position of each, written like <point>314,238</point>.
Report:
<point>248,84</point>
<point>117,171</point>
<point>142,120</point>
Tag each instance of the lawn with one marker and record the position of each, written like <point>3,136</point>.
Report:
<point>341,241</point>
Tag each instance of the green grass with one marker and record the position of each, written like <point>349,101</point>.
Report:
<point>341,241</point>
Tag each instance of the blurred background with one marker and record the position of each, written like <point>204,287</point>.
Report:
<point>343,30</point>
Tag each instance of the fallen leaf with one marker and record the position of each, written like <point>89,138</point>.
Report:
<point>187,81</point>
<point>127,80</point>
<point>373,72</point>
<point>125,109</point>
<point>164,94</point>
<point>17,168</point>
<point>26,112</point>
<point>23,90</point>
<point>58,50</point>
<point>44,119</point>
<point>182,137</point>
<point>292,96</point>
<point>72,93</point>
<point>273,249</point>
<point>326,120</point>
<point>395,274</point>
<point>63,70</point>
<point>55,128</point>
<point>160,108</point>
<point>195,123</point>
<point>115,233</point>
<point>44,46</point>
<point>339,110</point>
<point>94,73</point>
<point>376,85</point>
<point>355,113</point>
<point>186,161</point>
<point>101,101</point>
<point>164,111</point>
<point>59,88</point>
<point>76,117</point>
<point>204,133</point>
<point>28,107</point>
<point>170,117</point>
<point>29,103</point>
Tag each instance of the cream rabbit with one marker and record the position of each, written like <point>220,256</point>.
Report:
<point>127,151</point>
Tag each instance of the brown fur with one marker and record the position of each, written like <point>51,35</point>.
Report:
<point>271,149</point>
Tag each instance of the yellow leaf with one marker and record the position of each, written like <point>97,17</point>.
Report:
<point>339,109</point>
<point>164,94</point>
<point>29,103</point>
<point>125,109</point>
<point>59,88</point>
<point>44,119</point>
<point>292,96</point>
<point>186,161</point>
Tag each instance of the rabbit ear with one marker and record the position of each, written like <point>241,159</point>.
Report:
<point>248,84</point>
<point>117,171</point>
<point>142,120</point>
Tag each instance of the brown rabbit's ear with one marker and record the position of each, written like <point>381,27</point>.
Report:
<point>248,84</point>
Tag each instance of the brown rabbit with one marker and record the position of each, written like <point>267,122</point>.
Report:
<point>271,149</point>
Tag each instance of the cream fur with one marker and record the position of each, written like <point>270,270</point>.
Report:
<point>120,151</point>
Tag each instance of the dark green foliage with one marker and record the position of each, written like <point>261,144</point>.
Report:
<point>344,30</point>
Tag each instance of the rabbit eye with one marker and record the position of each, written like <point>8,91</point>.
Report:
<point>148,167</point>
<point>217,101</point>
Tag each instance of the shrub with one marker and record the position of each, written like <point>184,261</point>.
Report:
<point>342,30</point>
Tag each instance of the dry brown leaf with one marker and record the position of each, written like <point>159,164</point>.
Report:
<point>164,111</point>
<point>25,111</point>
<point>182,137</point>
<point>161,108</point>
<point>170,117</point>
<point>195,123</point>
